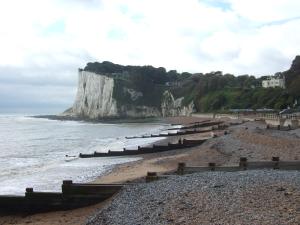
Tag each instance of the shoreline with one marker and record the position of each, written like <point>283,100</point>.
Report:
<point>223,150</point>
<point>112,175</point>
<point>145,157</point>
<point>112,120</point>
<point>251,140</point>
<point>72,138</point>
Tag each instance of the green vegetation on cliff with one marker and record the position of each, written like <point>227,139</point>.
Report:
<point>147,80</point>
<point>210,92</point>
<point>245,98</point>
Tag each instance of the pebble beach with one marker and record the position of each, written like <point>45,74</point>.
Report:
<point>245,197</point>
<point>248,197</point>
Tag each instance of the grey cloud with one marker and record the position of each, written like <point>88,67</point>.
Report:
<point>35,98</point>
<point>38,76</point>
<point>41,87</point>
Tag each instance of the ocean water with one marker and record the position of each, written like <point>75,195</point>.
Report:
<point>33,151</point>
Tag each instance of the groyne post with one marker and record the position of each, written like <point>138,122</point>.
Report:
<point>66,186</point>
<point>29,190</point>
<point>276,160</point>
<point>243,163</point>
<point>212,166</point>
<point>151,176</point>
<point>180,169</point>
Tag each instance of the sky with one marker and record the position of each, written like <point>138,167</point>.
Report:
<point>44,42</point>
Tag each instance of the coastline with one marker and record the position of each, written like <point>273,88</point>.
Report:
<point>123,172</point>
<point>248,139</point>
<point>223,150</point>
<point>33,145</point>
<point>159,162</point>
<point>112,120</point>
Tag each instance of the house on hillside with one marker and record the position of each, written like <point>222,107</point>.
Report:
<point>274,82</point>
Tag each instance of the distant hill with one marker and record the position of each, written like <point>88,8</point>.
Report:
<point>213,91</point>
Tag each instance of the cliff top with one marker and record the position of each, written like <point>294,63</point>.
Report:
<point>210,91</point>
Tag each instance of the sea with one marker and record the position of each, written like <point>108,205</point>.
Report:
<point>41,153</point>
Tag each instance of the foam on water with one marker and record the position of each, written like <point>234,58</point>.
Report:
<point>32,151</point>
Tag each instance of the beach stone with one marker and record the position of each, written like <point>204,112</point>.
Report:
<point>245,197</point>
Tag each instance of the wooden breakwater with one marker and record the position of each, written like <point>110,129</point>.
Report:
<point>146,150</point>
<point>192,129</point>
<point>73,195</point>
<point>244,164</point>
<point>178,133</point>
<point>199,125</point>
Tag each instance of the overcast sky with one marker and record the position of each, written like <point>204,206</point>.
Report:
<point>44,42</point>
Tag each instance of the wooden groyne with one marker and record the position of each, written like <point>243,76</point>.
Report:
<point>199,125</point>
<point>145,150</point>
<point>211,125</point>
<point>73,195</point>
<point>244,164</point>
<point>178,133</point>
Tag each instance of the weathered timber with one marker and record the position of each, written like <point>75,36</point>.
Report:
<point>81,155</point>
<point>70,188</point>
<point>73,195</point>
<point>178,133</point>
<point>199,125</point>
<point>145,150</point>
<point>244,164</point>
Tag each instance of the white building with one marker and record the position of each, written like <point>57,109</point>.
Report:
<point>273,82</point>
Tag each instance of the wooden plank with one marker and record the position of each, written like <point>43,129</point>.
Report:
<point>78,189</point>
<point>284,165</point>
<point>261,165</point>
<point>228,168</point>
<point>289,165</point>
<point>195,169</point>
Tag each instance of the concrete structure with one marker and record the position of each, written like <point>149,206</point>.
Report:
<point>273,82</point>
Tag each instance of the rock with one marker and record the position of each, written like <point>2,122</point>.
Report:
<point>280,189</point>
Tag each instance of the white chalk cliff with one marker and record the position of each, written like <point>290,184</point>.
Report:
<point>94,100</point>
<point>175,107</point>
<point>94,97</point>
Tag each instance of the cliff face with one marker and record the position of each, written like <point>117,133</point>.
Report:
<point>95,99</point>
<point>175,107</point>
<point>111,90</point>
